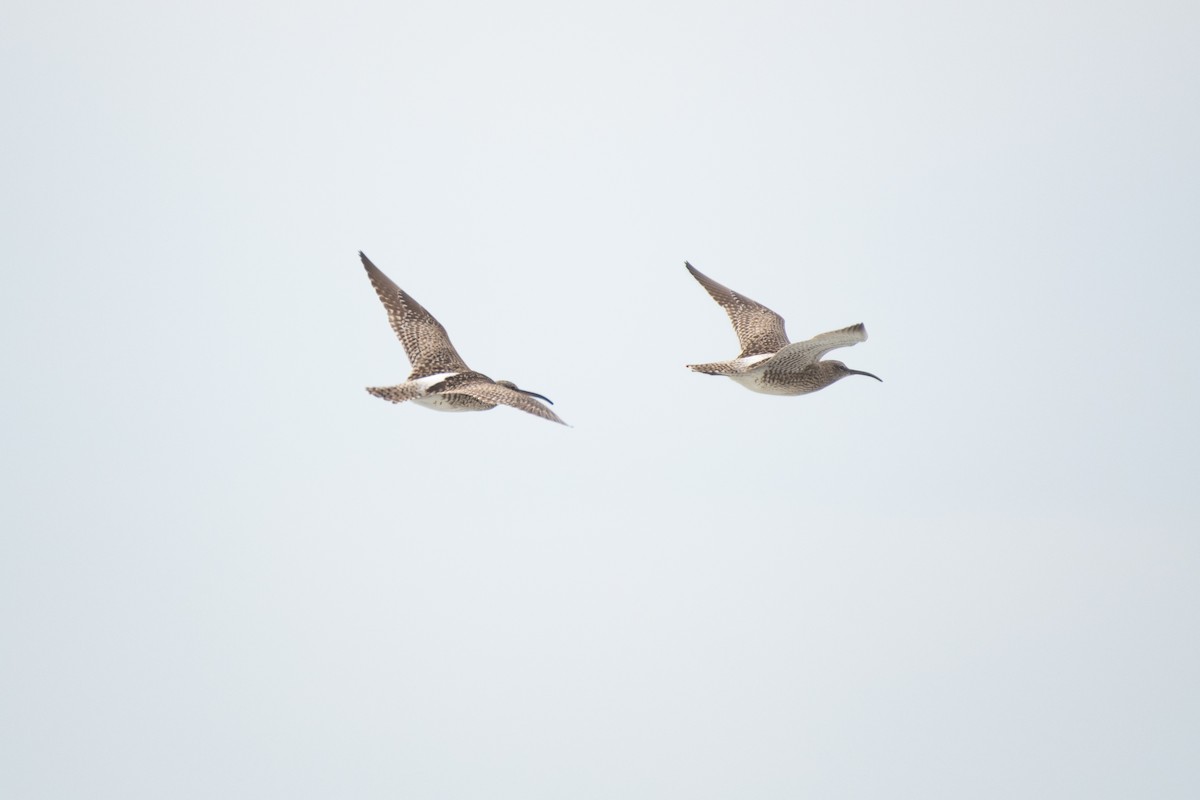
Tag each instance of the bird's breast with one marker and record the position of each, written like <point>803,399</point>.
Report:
<point>765,382</point>
<point>445,402</point>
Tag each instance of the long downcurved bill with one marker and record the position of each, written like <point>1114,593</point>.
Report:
<point>860,372</point>
<point>535,394</point>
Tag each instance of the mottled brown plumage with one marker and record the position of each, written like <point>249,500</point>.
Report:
<point>758,328</point>
<point>769,363</point>
<point>424,339</point>
<point>440,378</point>
<point>493,393</point>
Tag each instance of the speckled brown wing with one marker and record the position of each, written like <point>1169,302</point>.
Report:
<point>800,355</point>
<point>502,395</point>
<point>758,328</point>
<point>424,339</point>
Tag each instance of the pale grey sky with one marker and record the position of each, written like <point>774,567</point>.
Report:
<point>227,571</point>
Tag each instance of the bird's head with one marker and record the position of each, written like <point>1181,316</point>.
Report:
<point>839,370</point>
<point>514,387</point>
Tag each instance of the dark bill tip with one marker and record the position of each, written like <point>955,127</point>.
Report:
<point>535,394</point>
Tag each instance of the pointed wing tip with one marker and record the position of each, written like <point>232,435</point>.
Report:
<point>708,283</point>
<point>379,280</point>
<point>548,415</point>
<point>858,331</point>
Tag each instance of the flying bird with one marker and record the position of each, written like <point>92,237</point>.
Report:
<point>769,363</point>
<point>440,379</point>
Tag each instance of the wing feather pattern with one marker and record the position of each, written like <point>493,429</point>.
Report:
<point>796,357</point>
<point>424,339</point>
<point>502,395</point>
<point>758,328</point>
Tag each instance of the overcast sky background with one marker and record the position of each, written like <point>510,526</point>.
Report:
<point>227,571</point>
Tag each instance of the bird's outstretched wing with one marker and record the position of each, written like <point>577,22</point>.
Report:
<point>424,339</point>
<point>796,357</point>
<point>758,328</point>
<point>502,395</point>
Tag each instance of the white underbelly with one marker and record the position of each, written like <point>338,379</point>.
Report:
<point>439,403</point>
<point>436,401</point>
<point>752,381</point>
<point>755,383</point>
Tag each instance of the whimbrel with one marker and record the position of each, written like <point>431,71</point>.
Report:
<point>769,363</point>
<point>440,379</point>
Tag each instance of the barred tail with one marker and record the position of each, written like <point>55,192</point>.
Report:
<point>398,393</point>
<point>720,368</point>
